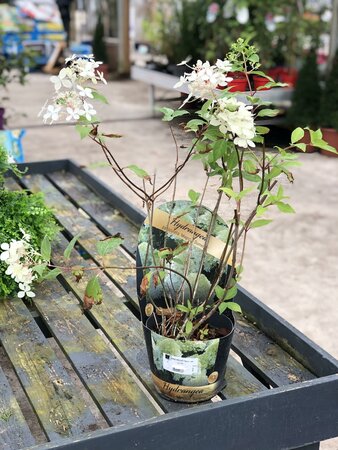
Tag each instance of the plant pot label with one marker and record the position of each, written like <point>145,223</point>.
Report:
<point>183,366</point>
<point>187,231</point>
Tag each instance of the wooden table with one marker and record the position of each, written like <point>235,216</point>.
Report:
<point>86,375</point>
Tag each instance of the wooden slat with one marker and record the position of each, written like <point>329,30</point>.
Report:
<point>70,218</point>
<point>266,358</point>
<point>54,397</point>
<point>14,431</point>
<point>126,334</point>
<point>100,211</point>
<point>110,383</point>
<point>239,381</point>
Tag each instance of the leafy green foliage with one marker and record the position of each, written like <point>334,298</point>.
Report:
<point>99,46</point>
<point>306,95</point>
<point>329,104</point>
<point>28,212</point>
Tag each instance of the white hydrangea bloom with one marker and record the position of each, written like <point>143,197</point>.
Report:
<point>235,118</point>
<point>205,78</point>
<point>72,87</point>
<point>20,258</point>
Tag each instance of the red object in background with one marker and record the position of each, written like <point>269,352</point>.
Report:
<point>260,81</point>
<point>330,135</point>
<point>288,76</point>
<point>239,82</point>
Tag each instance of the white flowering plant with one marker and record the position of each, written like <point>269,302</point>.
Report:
<point>230,143</point>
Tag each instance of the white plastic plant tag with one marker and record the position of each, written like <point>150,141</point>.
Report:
<point>183,366</point>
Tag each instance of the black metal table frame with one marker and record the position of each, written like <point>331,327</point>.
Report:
<point>299,415</point>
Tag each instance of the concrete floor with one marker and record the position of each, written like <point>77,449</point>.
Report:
<point>290,265</point>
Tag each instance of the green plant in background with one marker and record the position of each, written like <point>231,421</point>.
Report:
<point>304,110</point>
<point>183,28</point>
<point>20,214</point>
<point>99,46</point>
<point>329,104</point>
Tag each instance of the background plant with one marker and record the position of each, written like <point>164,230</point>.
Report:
<point>306,98</point>
<point>329,103</point>
<point>21,212</point>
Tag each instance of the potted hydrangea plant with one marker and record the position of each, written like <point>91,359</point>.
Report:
<point>189,258</point>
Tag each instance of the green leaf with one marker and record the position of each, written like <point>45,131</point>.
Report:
<point>139,172</point>
<point>245,192</point>
<point>169,114</point>
<point>315,135</point>
<point>229,192</point>
<point>40,268</point>
<point>251,177</point>
<point>231,293</point>
<point>260,223</point>
<point>182,308</point>
<point>260,210</point>
<point>46,249</point>
<point>268,112</point>
<point>285,207</point>
<point>297,135</point>
<point>262,130</point>
<point>108,245</point>
<point>70,246</point>
<point>262,74</point>
<point>234,306</point>
<point>258,139</point>
<point>249,166</point>
<point>99,97</point>
<point>219,292</point>
<point>301,146</point>
<point>93,288</point>
<point>194,124</point>
<point>254,58</point>
<point>188,327</point>
<point>83,130</point>
<point>194,196</point>
<point>52,274</point>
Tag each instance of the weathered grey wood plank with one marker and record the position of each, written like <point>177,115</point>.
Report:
<point>266,358</point>
<point>14,431</point>
<point>54,397</point>
<point>110,383</point>
<point>70,218</point>
<point>100,211</point>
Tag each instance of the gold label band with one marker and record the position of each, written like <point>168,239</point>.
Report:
<point>185,230</point>
<point>188,394</point>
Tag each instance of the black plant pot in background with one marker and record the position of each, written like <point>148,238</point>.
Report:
<point>189,371</point>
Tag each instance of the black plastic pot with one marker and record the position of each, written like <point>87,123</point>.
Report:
<point>189,371</point>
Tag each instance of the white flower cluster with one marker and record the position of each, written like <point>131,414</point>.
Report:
<point>204,78</point>
<point>18,255</point>
<point>236,118</point>
<point>72,90</point>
